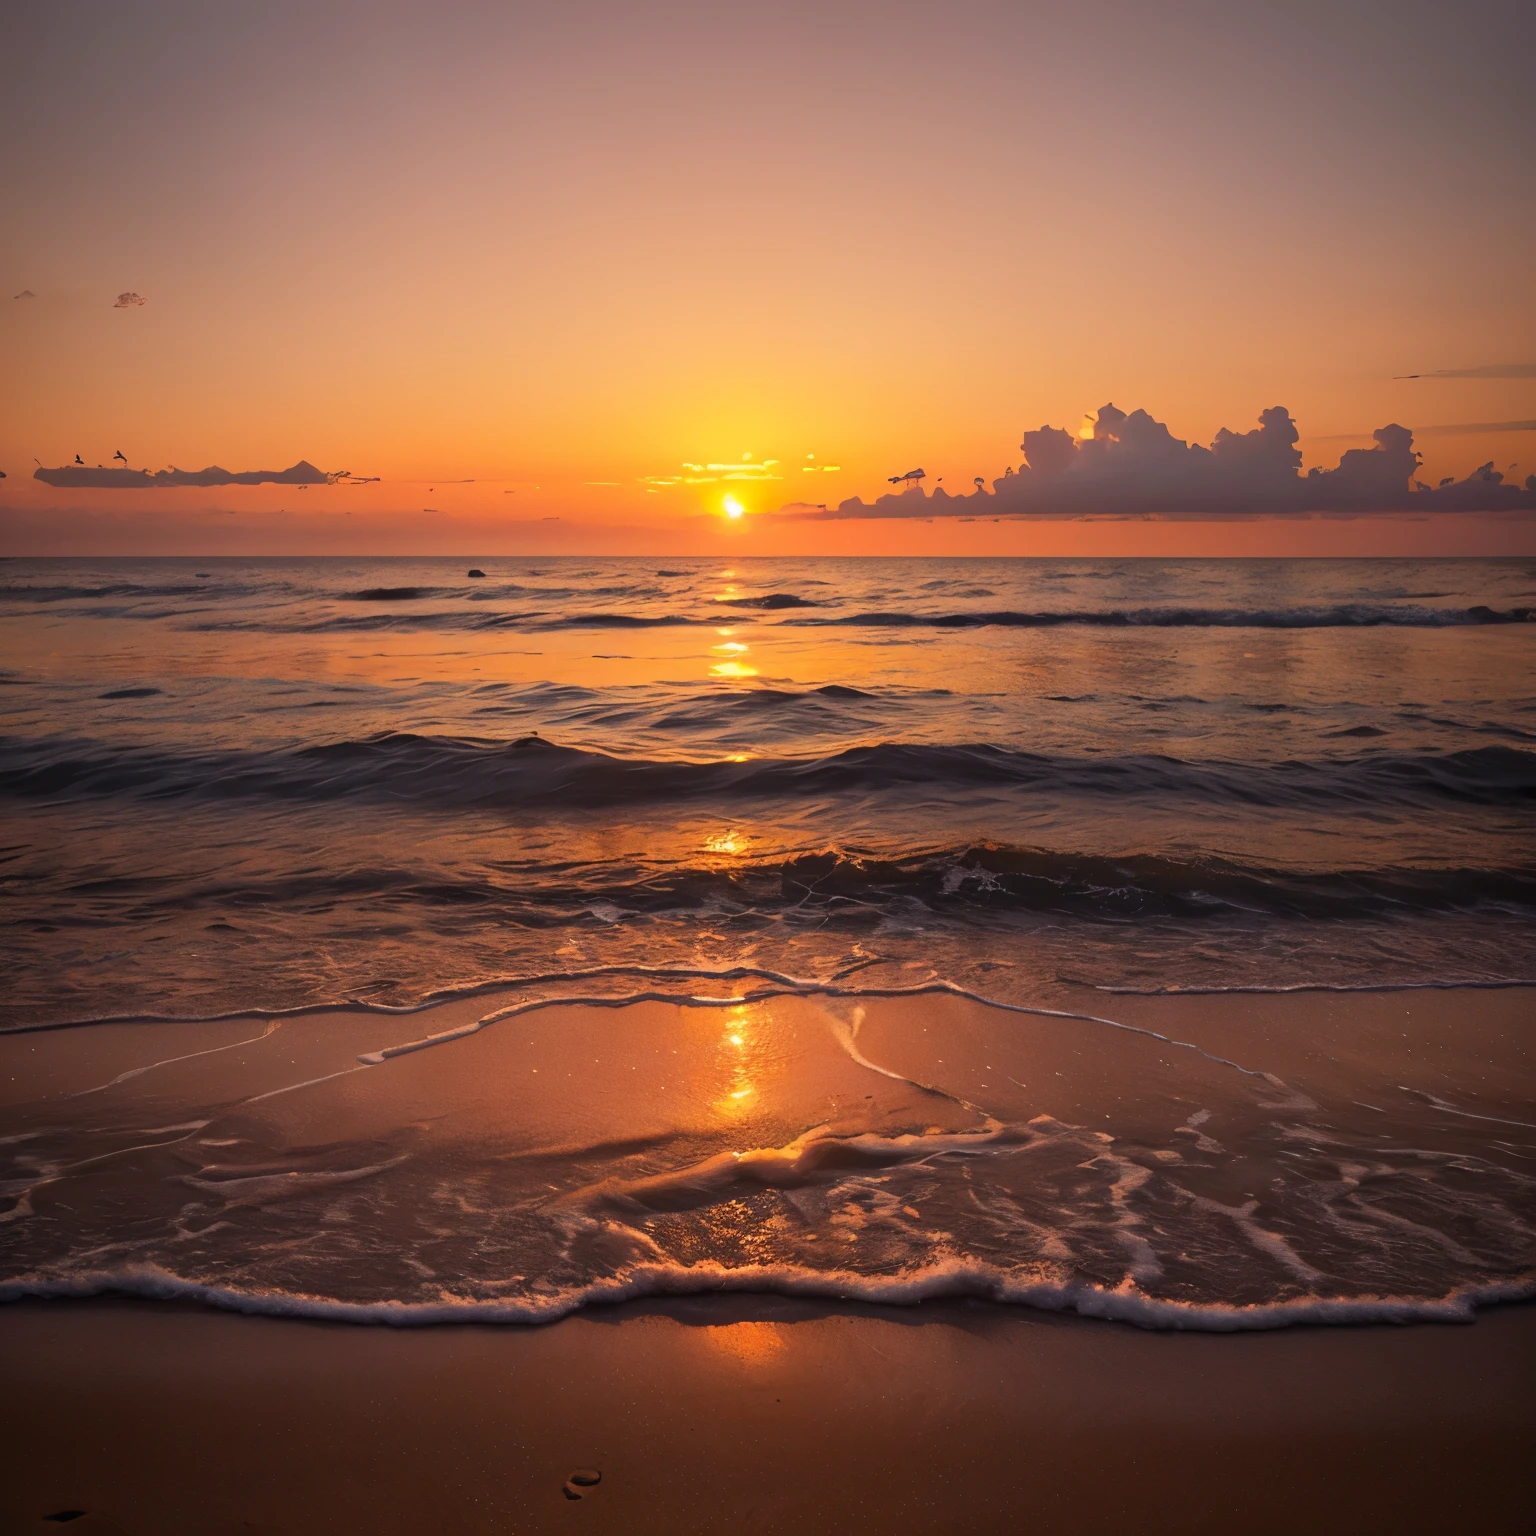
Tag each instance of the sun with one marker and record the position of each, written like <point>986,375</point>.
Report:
<point>733,508</point>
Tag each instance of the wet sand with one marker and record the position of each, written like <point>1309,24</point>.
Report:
<point>757,1414</point>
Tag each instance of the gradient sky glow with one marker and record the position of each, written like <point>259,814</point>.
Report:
<point>562,251</point>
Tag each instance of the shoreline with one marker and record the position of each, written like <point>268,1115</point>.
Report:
<point>1143,1313</point>
<point>749,1145</point>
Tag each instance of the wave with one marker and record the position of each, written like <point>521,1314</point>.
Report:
<point>529,771</point>
<point>960,882</point>
<point>34,593</point>
<point>1339,616</point>
<point>286,616</point>
<point>443,620</point>
<point>771,600</point>
<point>953,1278</point>
<point>1345,616</point>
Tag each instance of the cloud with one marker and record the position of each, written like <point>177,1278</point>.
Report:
<point>1473,428</point>
<point>75,477</point>
<point>712,474</point>
<point>128,300</point>
<point>1488,371</point>
<point>1129,464</point>
<point>26,293</point>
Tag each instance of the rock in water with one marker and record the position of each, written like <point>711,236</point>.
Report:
<point>474,573</point>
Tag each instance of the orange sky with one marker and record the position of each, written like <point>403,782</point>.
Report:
<point>539,247</point>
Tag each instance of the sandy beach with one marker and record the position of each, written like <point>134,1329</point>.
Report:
<point>750,1410</point>
<point>757,1414</point>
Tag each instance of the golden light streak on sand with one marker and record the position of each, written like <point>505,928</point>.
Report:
<point>749,1343</point>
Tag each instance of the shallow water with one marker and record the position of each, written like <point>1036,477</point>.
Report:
<point>241,785</point>
<point>513,1159</point>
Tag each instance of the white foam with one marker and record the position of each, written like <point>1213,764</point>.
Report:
<point>944,1280</point>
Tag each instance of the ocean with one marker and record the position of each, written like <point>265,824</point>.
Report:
<point>825,805</point>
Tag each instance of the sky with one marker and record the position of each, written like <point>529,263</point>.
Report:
<point>525,264</point>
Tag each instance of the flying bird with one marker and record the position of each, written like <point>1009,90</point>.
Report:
<point>121,455</point>
<point>79,461</point>
<point>1490,371</point>
<point>911,474</point>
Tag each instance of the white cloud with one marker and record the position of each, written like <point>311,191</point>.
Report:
<point>1127,464</point>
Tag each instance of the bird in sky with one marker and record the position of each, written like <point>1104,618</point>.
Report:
<point>121,455</point>
<point>79,461</point>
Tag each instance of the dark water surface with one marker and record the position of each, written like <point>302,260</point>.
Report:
<point>233,783</point>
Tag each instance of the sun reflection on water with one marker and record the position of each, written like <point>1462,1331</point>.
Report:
<point>738,1059</point>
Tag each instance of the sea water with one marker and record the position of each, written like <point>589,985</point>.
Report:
<point>788,788</point>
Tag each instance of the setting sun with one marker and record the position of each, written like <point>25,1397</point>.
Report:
<point>733,508</point>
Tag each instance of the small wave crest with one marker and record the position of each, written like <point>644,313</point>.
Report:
<point>456,771</point>
<point>1336,616</point>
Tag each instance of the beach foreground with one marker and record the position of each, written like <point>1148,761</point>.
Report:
<point>759,1414</point>
<point>612,1170</point>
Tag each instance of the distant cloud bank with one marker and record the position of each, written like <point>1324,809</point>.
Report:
<point>77,477</point>
<point>1132,465</point>
<point>1477,428</point>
